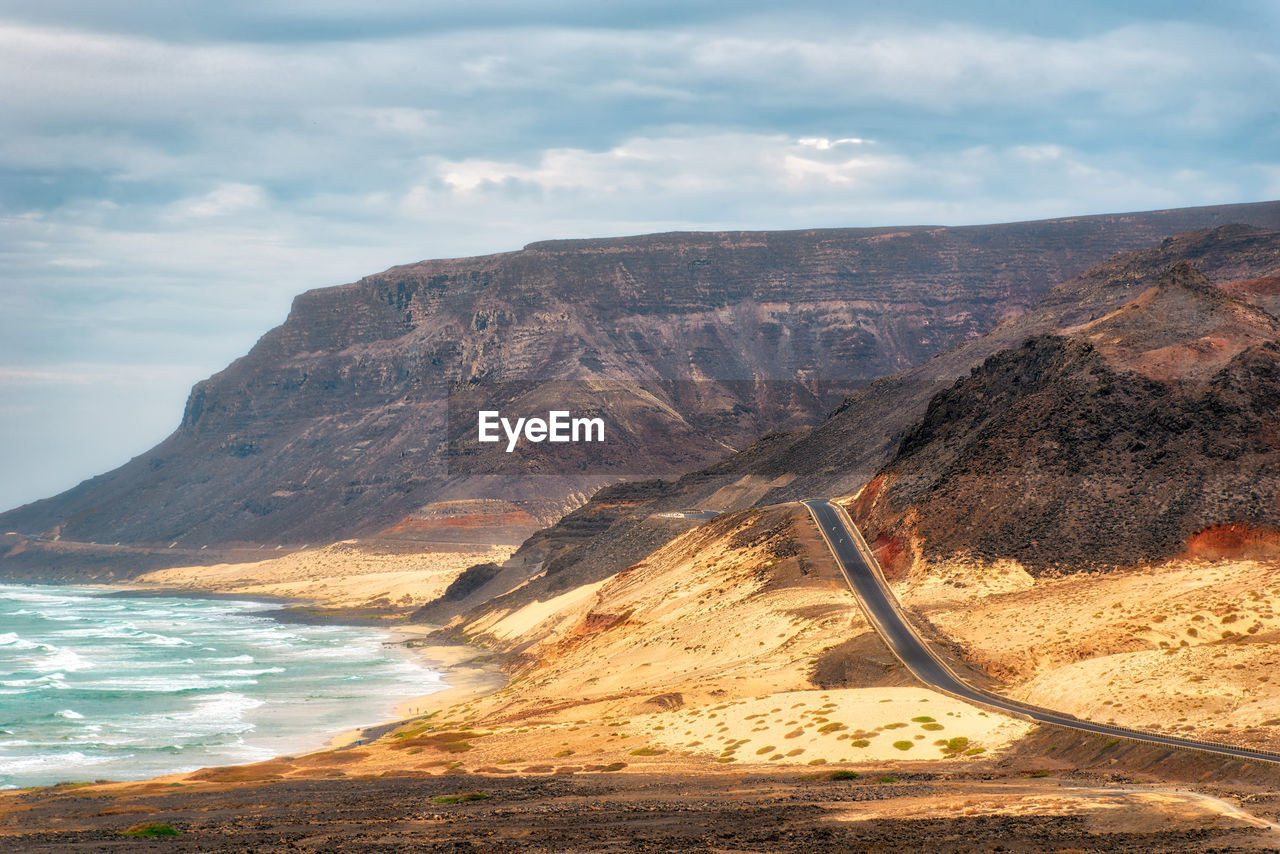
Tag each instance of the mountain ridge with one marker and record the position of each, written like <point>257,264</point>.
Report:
<point>332,425</point>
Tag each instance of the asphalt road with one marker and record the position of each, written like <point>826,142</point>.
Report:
<point>864,577</point>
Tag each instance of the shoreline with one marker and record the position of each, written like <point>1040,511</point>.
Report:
<point>466,671</point>
<point>462,672</point>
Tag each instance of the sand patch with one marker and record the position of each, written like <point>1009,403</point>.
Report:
<point>513,624</point>
<point>344,575</point>
<point>1190,647</point>
<point>846,725</point>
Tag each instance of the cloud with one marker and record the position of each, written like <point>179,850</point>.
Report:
<point>224,200</point>
<point>15,376</point>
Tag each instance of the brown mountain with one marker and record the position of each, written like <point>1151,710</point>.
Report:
<point>337,424</point>
<point>1118,445</point>
<point>1195,342</point>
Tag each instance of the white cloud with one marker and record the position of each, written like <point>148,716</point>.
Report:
<point>224,200</point>
<point>15,376</point>
<point>76,263</point>
<point>823,144</point>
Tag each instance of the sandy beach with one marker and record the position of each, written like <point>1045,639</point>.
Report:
<point>353,582</point>
<point>467,671</point>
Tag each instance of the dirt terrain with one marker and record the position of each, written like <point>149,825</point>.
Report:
<point>1188,647</point>
<point>1085,521</point>
<point>888,809</point>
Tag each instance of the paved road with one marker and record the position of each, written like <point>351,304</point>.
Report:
<point>864,576</point>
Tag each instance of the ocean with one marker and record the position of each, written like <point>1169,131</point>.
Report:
<point>97,685</point>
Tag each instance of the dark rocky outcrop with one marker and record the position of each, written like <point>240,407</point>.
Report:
<point>1058,457</point>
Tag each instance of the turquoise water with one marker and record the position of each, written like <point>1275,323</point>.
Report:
<point>94,685</point>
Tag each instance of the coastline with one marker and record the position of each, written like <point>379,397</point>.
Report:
<point>465,671</point>
<point>357,584</point>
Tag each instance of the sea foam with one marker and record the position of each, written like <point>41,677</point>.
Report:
<point>106,686</point>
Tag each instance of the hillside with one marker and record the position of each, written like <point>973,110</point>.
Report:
<point>336,423</point>
<point>1119,307</point>
<point>1112,447</point>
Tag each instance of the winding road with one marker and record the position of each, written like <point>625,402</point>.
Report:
<point>862,571</point>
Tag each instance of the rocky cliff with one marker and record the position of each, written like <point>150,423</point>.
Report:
<point>1147,317</point>
<point>336,423</point>
<point>1126,441</point>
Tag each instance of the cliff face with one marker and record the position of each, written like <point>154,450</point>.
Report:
<point>970,465</point>
<point>1119,445</point>
<point>336,423</point>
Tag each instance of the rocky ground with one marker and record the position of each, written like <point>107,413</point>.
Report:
<point>886,809</point>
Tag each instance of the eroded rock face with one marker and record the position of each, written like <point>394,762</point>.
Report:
<point>1053,456</point>
<point>334,425</point>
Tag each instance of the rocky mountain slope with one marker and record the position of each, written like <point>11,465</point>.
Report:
<point>1126,313</point>
<point>1111,447</point>
<point>337,422</point>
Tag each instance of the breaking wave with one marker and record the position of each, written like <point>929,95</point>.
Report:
<point>96,685</point>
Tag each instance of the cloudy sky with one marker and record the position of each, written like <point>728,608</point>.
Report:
<point>172,174</point>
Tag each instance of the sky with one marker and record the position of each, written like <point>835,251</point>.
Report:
<point>172,174</point>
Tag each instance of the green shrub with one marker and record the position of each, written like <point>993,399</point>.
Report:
<point>150,831</point>
<point>458,799</point>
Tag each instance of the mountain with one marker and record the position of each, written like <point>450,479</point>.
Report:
<point>337,423</point>
<point>1205,351</point>
<point>1117,444</point>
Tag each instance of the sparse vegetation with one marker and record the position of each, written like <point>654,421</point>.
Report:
<point>458,799</point>
<point>150,831</point>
